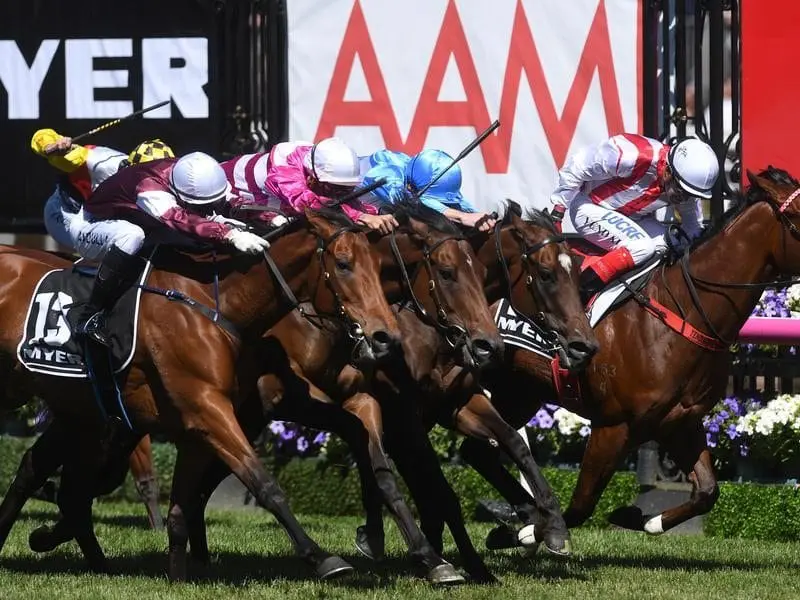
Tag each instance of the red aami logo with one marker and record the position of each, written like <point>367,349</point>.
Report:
<point>472,112</point>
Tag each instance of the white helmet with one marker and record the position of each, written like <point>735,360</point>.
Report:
<point>333,161</point>
<point>198,180</point>
<point>695,166</point>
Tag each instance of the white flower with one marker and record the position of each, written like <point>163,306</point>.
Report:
<point>780,412</point>
<point>793,298</point>
<point>568,423</point>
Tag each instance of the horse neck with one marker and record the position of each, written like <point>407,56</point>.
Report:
<point>252,297</point>
<point>730,257</point>
<point>391,277</point>
<point>496,286</point>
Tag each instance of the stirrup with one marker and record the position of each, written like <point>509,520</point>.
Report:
<point>92,329</point>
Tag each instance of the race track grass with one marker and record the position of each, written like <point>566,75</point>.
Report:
<point>252,559</point>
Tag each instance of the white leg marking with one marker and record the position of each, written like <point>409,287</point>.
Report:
<point>527,535</point>
<point>654,526</point>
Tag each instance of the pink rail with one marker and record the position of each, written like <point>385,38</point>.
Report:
<point>770,330</point>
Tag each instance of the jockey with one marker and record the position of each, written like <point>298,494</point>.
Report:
<point>177,195</point>
<point>406,175</point>
<point>83,169</point>
<point>613,189</point>
<point>294,176</point>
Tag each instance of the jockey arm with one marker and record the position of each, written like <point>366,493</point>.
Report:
<point>691,214</point>
<point>593,163</point>
<point>163,206</point>
<point>59,151</point>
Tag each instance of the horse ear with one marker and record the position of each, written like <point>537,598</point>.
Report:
<point>418,230</point>
<point>765,185</point>
<point>320,224</point>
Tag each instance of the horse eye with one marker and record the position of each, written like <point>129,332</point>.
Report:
<point>342,264</point>
<point>547,275</point>
<point>447,274</point>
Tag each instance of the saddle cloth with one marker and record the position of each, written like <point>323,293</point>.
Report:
<point>48,345</point>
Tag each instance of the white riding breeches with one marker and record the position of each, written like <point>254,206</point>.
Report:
<point>610,229</point>
<point>94,237</point>
<point>59,219</point>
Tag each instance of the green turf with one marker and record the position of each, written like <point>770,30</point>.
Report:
<point>252,559</point>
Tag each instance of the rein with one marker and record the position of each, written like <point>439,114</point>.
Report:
<point>538,320</point>
<point>454,334</point>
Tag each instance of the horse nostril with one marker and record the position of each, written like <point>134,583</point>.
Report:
<point>484,348</point>
<point>581,350</point>
<point>383,341</point>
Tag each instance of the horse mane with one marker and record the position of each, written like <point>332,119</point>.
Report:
<point>333,214</point>
<point>417,210</point>
<point>541,218</point>
<point>744,200</point>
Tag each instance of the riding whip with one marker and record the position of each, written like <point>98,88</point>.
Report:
<point>472,145</point>
<point>118,121</point>
<point>349,197</point>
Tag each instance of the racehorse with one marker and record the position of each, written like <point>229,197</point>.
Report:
<point>411,450</point>
<point>185,371</point>
<point>648,381</point>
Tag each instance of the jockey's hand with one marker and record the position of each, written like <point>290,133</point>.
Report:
<point>471,219</point>
<point>383,223</point>
<point>61,146</point>
<point>228,221</point>
<point>246,242</point>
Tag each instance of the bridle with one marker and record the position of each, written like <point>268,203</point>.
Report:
<point>691,280</point>
<point>538,320</point>
<point>353,328</point>
<point>454,334</point>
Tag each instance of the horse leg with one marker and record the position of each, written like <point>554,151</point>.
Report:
<point>37,464</point>
<point>368,412</point>
<point>687,447</point>
<point>416,460</point>
<point>222,433</point>
<point>480,420</point>
<point>604,451</point>
<point>144,478</point>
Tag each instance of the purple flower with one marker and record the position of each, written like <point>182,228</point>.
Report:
<point>302,444</point>
<point>710,441</point>
<point>277,427</point>
<point>584,431</point>
<point>713,427</point>
<point>288,434</point>
<point>723,414</point>
<point>744,450</point>
<point>731,432</point>
<point>544,418</point>
<point>321,438</point>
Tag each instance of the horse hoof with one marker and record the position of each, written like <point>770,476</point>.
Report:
<point>42,539</point>
<point>333,566</point>
<point>445,574</point>
<point>628,517</point>
<point>557,544</point>
<point>502,537</point>
<point>483,577</point>
<point>530,551</point>
<point>371,546</point>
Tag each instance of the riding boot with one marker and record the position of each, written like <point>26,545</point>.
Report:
<point>118,271</point>
<point>600,272</point>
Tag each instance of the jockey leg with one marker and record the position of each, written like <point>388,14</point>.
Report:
<point>58,217</point>
<point>627,243</point>
<point>117,242</point>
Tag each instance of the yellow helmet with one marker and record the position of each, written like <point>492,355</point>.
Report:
<point>150,150</point>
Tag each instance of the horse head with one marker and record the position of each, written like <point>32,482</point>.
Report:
<point>780,191</point>
<point>530,262</point>
<point>346,284</point>
<point>446,290</point>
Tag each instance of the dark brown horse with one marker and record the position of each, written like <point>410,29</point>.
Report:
<point>648,382</point>
<point>186,370</point>
<point>527,251</point>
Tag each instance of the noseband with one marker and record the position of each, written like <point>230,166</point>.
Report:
<point>455,335</point>
<point>538,320</point>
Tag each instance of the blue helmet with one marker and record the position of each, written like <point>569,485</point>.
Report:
<point>426,165</point>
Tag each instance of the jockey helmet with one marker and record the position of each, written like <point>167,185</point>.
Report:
<point>198,180</point>
<point>428,164</point>
<point>150,150</point>
<point>333,161</point>
<point>695,166</point>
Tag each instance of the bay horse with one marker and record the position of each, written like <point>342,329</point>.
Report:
<point>185,372</point>
<point>533,249</point>
<point>649,382</point>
